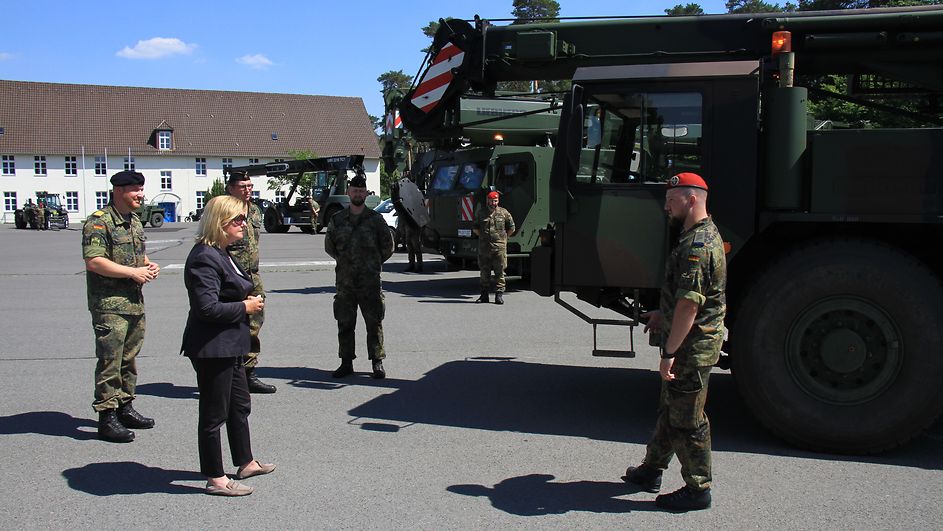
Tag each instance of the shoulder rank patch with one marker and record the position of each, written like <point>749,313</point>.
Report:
<point>98,213</point>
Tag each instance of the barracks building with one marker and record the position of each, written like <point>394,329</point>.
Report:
<point>70,139</point>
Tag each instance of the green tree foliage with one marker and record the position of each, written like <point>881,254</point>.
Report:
<point>757,6</point>
<point>218,188</point>
<point>429,31</point>
<point>535,11</point>
<point>307,179</point>
<point>394,79</point>
<point>684,9</point>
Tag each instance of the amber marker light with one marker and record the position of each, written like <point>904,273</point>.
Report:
<point>782,42</point>
<point>498,137</point>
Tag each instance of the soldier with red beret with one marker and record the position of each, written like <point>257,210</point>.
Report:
<point>493,226</point>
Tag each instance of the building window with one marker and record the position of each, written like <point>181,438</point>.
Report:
<point>9,165</point>
<point>164,140</point>
<point>129,163</point>
<point>256,195</point>
<point>200,166</point>
<point>227,162</point>
<point>101,200</point>
<point>200,200</point>
<point>166,180</point>
<point>71,167</point>
<point>253,161</point>
<point>72,201</point>
<point>39,165</point>
<point>279,196</point>
<point>9,201</point>
<point>101,166</point>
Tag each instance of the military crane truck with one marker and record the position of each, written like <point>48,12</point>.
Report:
<point>834,280</point>
<point>504,146</point>
<point>328,191</point>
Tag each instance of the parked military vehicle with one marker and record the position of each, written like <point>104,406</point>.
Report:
<point>503,146</point>
<point>55,213</point>
<point>833,293</point>
<point>151,213</point>
<point>328,192</point>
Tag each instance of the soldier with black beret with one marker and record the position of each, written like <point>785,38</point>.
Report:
<point>246,253</point>
<point>117,267</point>
<point>691,322</point>
<point>359,240</point>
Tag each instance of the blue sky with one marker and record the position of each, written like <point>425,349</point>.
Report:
<point>333,48</point>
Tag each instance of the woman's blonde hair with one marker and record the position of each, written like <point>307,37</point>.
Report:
<point>218,211</point>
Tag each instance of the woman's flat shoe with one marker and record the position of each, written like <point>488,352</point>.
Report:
<point>261,471</point>
<point>232,488</point>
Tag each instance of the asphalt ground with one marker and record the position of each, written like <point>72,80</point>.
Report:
<point>490,417</point>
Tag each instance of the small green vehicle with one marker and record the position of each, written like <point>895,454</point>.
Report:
<point>150,214</point>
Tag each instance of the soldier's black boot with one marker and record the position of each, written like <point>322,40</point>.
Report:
<point>647,477</point>
<point>378,371</point>
<point>130,418</point>
<point>499,298</point>
<point>483,298</point>
<point>256,385</point>
<point>109,429</point>
<point>346,369</point>
<point>685,499</point>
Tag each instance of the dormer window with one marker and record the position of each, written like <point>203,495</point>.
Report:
<point>164,140</point>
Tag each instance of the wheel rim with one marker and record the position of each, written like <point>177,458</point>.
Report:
<point>844,350</point>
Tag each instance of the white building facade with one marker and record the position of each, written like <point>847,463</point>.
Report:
<point>179,139</point>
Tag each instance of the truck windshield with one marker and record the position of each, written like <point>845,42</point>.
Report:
<point>638,137</point>
<point>472,175</point>
<point>444,178</point>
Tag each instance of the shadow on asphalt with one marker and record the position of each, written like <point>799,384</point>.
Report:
<point>537,494</point>
<point>109,479</point>
<point>311,290</point>
<point>53,423</point>
<point>610,404</point>
<point>168,390</point>
<point>427,287</point>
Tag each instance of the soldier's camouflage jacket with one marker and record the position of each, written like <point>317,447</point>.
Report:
<point>493,227</point>
<point>697,271</point>
<point>246,251</point>
<point>360,244</point>
<point>107,234</point>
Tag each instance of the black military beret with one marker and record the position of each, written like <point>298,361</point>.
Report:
<point>238,177</point>
<point>358,181</point>
<point>127,177</point>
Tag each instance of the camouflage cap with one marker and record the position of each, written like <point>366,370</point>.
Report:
<point>687,180</point>
<point>127,177</point>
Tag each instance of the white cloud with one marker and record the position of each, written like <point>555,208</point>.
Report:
<point>156,48</point>
<point>5,56</point>
<point>257,61</point>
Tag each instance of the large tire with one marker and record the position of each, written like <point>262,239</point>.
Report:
<point>19,219</point>
<point>156,219</point>
<point>838,347</point>
<point>272,223</point>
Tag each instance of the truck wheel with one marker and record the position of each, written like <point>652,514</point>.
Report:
<point>271,223</point>
<point>838,347</point>
<point>19,219</point>
<point>156,219</point>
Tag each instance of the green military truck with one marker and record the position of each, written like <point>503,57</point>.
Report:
<point>504,146</point>
<point>311,210</point>
<point>834,282</point>
<point>151,214</point>
<point>55,213</point>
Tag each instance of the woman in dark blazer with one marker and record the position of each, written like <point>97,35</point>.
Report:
<point>215,339</point>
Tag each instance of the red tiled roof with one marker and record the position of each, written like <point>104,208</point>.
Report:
<point>57,118</point>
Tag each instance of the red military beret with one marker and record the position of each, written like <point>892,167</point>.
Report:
<point>493,195</point>
<point>687,179</point>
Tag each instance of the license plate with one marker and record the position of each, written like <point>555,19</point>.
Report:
<point>465,232</point>
<point>287,221</point>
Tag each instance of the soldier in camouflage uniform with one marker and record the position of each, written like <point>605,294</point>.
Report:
<point>41,218</point>
<point>691,318</point>
<point>360,241</point>
<point>246,253</point>
<point>493,226</point>
<point>116,268</point>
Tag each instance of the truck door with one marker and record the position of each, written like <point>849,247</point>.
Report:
<point>634,140</point>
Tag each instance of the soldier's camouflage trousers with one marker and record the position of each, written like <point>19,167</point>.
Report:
<point>682,427</point>
<point>372,307</point>
<point>118,339</point>
<point>255,324</point>
<point>488,261</point>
